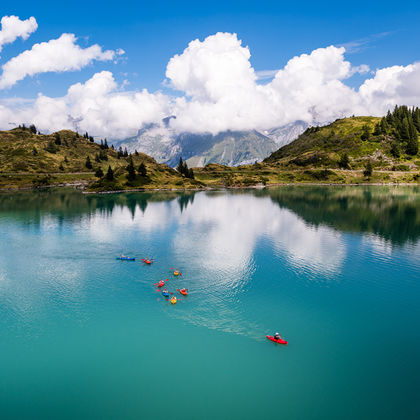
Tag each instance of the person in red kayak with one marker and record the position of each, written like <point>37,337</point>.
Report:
<point>277,336</point>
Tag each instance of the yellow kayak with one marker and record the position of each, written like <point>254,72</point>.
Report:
<point>176,273</point>
<point>173,300</point>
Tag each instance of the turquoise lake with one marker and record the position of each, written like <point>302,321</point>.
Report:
<point>335,270</point>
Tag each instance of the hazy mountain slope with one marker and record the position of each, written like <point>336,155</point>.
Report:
<point>230,147</point>
<point>287,133</point>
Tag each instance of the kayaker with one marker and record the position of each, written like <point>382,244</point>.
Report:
<point>277,336</point>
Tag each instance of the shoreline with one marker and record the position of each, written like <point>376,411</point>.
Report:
<point>81,187</point>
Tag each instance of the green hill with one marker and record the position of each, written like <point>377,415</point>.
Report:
<point>389,143</point>
<point>30,160</point>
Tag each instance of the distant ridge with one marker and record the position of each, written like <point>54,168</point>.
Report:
<point>232,148</point>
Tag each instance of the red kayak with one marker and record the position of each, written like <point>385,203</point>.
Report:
<point>183,292</point>
<point>280,340</point>
<point>161,283</point>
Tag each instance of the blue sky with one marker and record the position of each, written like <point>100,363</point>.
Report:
<point>151,32</point>
<point>379,34</point>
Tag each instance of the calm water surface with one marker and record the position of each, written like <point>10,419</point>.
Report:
<point>336,270</point>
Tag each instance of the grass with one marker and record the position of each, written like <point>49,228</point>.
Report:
<point>34,160</point>
<point>324,147</point>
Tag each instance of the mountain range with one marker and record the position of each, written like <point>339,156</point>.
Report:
<point>231,148</point>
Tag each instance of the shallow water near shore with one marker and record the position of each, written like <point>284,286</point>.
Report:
<point>335,270</point>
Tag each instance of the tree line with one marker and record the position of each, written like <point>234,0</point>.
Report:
<point>183,169</point>
<point>403,125</point>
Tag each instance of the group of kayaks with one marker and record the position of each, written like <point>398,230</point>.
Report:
<point>166,294</point>
<point>184,292</point>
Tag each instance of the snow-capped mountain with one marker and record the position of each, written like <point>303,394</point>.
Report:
<point>231,148</point>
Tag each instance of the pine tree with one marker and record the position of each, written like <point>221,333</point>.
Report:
<point>366,133</point>
<point>404,130</point>
<point>142,169</point>
<point>32,129</point>
<point>131,176</point>
<point>368,169</point>
<point>378,130</point>
<point>125,152</point>
<point>51,147</point>
<point>103,155</point>
<point>97,158</point>
<point>344,161</point>
<point>416,118</point>
<point>180,167</point>
<point>57,139</point>
<point>183,169</point>
<point>88,163</point>
<point>110,174</point>
<point>61,167</point>
<point>34,151</point>
<point>120,152</point>
<point>384,126</point>
<point>395,149</point>
<point>106,144</point>
<point>412,143</point>
<point>99,173</point>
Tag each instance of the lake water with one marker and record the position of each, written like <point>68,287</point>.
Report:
<point>335,270</point>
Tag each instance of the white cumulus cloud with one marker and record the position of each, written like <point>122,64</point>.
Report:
<point>391,86</point>
<point>57,55</point>
<point>12,28</point>
<point>97,106</point>
<point>220,90</point>
<point>212,69</point>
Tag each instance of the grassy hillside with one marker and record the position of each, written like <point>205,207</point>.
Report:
<point>326,146</point>
<point>30,160</point>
